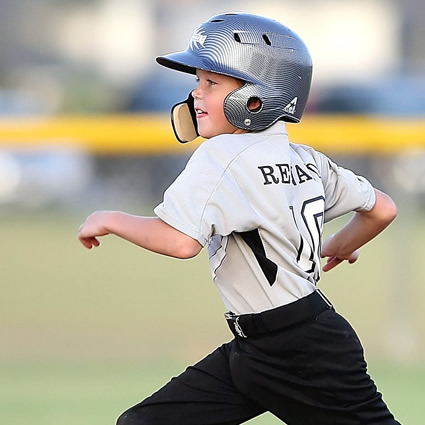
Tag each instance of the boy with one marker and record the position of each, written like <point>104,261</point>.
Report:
<point>259,204</point>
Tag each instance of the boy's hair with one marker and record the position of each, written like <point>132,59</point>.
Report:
<point>272,60</point>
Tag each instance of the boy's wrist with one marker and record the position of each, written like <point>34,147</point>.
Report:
<point>111,221</point>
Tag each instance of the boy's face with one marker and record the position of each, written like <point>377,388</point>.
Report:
<point>209,97</point>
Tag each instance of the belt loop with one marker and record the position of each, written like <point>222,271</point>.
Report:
<point>233,322</point>
<point>238,328</point>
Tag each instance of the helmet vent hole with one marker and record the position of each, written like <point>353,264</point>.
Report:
<point>237,37</point>
<point>267,39</point>
<point>254,104</point>
<point>217,20</point>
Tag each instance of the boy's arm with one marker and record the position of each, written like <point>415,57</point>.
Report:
<point>362,228</point>
<point>150,233</point>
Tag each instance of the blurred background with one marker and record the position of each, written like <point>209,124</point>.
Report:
<point>84,125</point>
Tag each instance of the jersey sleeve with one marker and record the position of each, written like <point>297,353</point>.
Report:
<point>344,190</point>
<point>205,199</point>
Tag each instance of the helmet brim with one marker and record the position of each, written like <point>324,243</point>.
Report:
<point>180,61</point>
<point>188,62</point>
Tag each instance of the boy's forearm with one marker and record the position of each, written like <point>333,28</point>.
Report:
<point>153,234</point>
<point>356,233</point>
<point>362,228</point>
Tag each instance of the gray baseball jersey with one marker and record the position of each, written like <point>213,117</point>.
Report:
<point>259,203</point>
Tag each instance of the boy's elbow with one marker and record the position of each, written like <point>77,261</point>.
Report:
<point>175,243</point>
<point>187,250</point>
<point>387,208</point>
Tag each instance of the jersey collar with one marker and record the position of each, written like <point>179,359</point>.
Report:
<point>279,127</point>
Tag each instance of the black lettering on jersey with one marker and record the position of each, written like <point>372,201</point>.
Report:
<point>285,172</point>
<point>292,176</point>
<point>253,240</point>
<point>302,175</point>
<point>268,175</point>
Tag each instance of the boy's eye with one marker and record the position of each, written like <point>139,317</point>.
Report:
<point>208,81</point>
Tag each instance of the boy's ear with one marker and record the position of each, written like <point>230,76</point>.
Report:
<point>183,120</point>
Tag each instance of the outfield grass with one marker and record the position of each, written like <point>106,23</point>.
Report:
<point>85,334</point>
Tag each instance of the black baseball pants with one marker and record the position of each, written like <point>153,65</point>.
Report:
<point>312,373</point>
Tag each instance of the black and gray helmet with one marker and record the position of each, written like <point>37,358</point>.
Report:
<point>272,60</point>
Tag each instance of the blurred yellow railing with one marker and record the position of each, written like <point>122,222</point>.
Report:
<point>152,134</point>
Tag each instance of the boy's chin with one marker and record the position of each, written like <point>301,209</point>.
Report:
<point>206,134</point>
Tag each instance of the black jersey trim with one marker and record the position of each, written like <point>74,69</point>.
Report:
<point>253,240</point>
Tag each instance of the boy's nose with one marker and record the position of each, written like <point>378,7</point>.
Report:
<point>196,93</point>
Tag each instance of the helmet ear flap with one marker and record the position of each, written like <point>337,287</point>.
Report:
<point>183,120</point>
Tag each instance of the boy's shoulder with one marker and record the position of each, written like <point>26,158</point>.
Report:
<point>307,151</point>
<point>300,148</point>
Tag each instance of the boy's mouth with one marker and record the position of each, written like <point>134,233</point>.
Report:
<point>200,113</point>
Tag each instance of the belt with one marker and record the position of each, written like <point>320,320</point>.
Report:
<point>279,318</point>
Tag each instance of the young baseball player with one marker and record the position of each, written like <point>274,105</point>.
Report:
<point>259,203</point>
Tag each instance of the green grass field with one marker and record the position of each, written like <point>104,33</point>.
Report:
<point>86,334</point>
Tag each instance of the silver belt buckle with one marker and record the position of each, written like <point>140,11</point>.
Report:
<point>235,321</point>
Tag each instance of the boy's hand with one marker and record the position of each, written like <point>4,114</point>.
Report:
<point>330,250</point>
<point>94,226</point>
<point>333,261</point>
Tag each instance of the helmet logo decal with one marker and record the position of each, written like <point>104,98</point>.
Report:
<point>291,106</point>
<point>198,39</point>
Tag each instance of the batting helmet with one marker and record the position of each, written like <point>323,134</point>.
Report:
<point>272,60</point>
